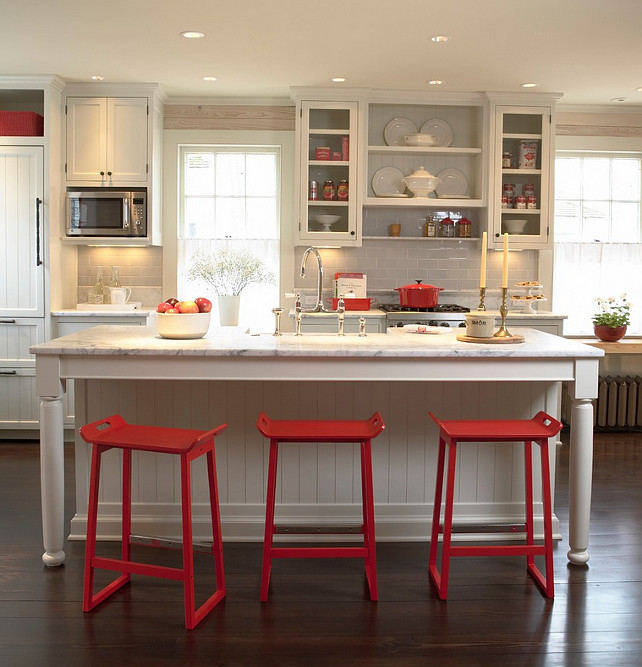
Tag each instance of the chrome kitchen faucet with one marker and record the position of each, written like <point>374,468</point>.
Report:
<point>318,308</point>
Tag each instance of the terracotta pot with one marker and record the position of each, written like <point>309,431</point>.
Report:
<point>609,334</point>
<point>418,296</point>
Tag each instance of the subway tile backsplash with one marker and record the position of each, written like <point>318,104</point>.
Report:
<point>140,269</point>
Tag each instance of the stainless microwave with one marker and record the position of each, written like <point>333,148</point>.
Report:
<point>106,212</point>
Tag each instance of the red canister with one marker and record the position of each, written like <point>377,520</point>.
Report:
<point>328,191</point>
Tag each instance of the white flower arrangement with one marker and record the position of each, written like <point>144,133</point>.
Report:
<point>613,312</point>
<point>228,272</point>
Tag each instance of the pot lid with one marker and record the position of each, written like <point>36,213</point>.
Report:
<point>419,286</point>
<point>421,173</point>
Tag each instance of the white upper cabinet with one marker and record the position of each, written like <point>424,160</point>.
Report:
<point>107,140</point>
<point>521,199</point>
<point>328,208</point>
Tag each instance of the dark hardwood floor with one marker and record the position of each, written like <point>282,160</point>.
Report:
<point>318,612</point>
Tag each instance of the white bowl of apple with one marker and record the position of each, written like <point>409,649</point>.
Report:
<point>183,319</point>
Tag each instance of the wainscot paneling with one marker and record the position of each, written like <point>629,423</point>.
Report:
<point>317,482</point>
<point>228,117</point>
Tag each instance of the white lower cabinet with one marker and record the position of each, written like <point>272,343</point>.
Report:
<point>18,398</point>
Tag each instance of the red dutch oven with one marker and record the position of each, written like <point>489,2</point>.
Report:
<point>419,296</point>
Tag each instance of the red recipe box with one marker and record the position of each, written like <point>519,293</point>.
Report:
<point>21,124</point>
<point>322,153</point>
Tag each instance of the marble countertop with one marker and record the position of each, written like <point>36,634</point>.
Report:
<point>144,341</point>
<point>376,312</point>
<point>74,312</point>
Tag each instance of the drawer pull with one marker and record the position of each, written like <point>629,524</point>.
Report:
<point>8,372</point>
<point>7,321</point>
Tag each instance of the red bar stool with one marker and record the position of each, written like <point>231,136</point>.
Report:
<point>114,433</point>
<point>538,430</point>
<point>304,430</point>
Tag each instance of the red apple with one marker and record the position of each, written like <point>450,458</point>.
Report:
<point>172,302</point>
<point>173,311</point>
<point>163,307</point>
<point>204,305</point>
<point>187,306</point>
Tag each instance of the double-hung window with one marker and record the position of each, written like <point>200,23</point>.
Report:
<point>598,239</point>
<point>229,198</point>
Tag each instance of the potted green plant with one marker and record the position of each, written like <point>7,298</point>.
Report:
<point>228,272</point>
<point>610,323</point>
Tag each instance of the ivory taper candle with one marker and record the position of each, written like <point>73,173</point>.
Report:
<point>505,267</point>
<point>484,250</point>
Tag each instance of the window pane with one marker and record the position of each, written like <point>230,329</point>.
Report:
<point>230,217</point>
<point>596,175</point>
<point>626,179</point>
<point>262,219</point>
<point>567,178</point>
<point>230,174</point>
<point>199,217</point>
<point>261,175</point>
<point>626,221</point>
<point>595,222</point>
<point>199,174</point>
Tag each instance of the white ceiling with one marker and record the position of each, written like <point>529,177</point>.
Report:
<point>589,50</point>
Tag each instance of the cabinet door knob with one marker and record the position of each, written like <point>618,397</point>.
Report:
<point>102,173</point>
<point>109,173</point>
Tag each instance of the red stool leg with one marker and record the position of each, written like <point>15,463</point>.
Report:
<point>126,524</point>
<point>217,538</point>
<point>92,517</point>
<point>269,520</point>
<point>546,584</point>
<point>188,549</point>
<point>448,520</point>
<point>436,515</point>
<point>367,501</point>
<point>528,488</point>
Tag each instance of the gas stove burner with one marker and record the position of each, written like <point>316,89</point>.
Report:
<point>440,308</point>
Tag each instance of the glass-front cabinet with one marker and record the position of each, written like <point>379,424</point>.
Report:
<point>328,194</point>
<point>522,167</point>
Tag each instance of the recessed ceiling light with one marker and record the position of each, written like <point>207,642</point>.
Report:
<point>529,85</point>
<point>440,38</point>
<point>209,78</point>
<point>97,77</point>
<point>339,79</point>
<point>192,34</point>
<point>619,99</point>
<point>639,89</point>
<point>435,82</point>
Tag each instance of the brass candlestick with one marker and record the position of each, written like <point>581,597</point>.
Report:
<point>503,332</point>
<point>482,296</point>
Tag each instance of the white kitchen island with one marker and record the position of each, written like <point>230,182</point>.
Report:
<point>231,376</point>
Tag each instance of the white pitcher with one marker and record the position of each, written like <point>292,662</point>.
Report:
<point>119,295</point>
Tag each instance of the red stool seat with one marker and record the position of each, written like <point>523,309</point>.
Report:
<point>309,430</point>
<point>114,433</point>
<point>451,432</point>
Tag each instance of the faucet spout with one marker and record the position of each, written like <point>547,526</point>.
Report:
<point>315,253</point>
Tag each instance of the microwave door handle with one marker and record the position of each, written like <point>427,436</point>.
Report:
<point>38,259</point>
<point>126,213</point>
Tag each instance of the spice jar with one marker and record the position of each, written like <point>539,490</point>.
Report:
<point>463,228</point>
<point>430,228</point>
<point>506,160</point>
<point>447,228</point>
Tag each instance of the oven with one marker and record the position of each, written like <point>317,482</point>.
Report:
<point>442,315</point>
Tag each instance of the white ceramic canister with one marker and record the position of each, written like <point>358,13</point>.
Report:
<point>480,324</point>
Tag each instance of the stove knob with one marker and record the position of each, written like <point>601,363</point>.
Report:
<point>444,324</point>
<point>462,325</point>
<point>433,323</point>
<point>399,325</point>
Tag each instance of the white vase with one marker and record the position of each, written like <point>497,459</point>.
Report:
<point>228,310</point>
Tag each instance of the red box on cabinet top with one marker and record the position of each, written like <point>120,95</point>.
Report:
<point>21,124</point>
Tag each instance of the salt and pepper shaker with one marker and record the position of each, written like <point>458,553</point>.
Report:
<point>362,326</point>
<point>277,326</point>
<point>297,313</point>
<point>341,310</point>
